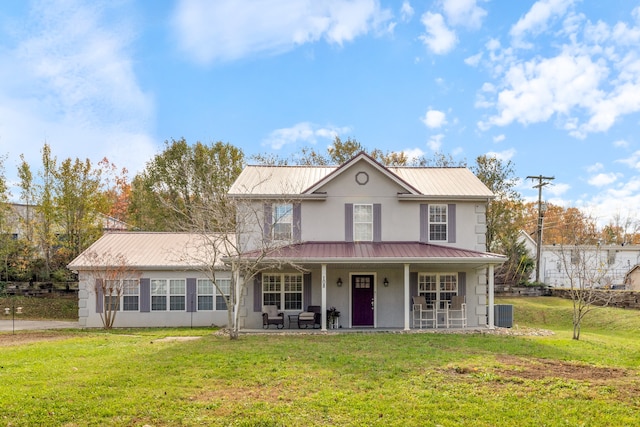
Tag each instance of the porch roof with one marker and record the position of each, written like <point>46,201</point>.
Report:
<point>378,252</point>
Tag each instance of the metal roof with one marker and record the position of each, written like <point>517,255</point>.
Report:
<point>390,252</point>
<point>151,251</point>
<point>294,180</point>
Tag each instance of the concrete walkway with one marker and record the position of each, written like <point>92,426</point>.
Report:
<point>20,325</point>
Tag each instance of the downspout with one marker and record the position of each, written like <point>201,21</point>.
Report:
<point>406,298</point>
<point>491,320</point>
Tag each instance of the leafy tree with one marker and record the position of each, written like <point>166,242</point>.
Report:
<point>519,265</point>
<point>504,213</point>
<point>182,177</point>
<point>79,201</point>
<point>117,190</point>
<point>45,207</point>
<point>27,195</point>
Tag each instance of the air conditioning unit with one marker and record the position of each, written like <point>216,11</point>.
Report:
<point>503,315</point>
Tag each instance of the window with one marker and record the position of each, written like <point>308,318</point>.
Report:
<point>123,294</point>
<point>282,221</point>
<point>224,290</point>
<point>363,223</point>
<point>282,288</point>
<point>438,223</point>
<point>438,288</point>
<point>177,294</point>
<point>168,294</point>
<point>205,294</point>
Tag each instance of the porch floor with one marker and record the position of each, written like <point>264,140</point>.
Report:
<point>308,331</point>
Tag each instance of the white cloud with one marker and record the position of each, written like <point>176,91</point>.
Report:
<point>464,13</point>
<point>557,189</point>
<point>439,39</point>
<point>633,160</point>
<point>225,30</point>
<point>68,80</point>
<point>537,18</point>
<point>434,119</point>
<point>596,167</point>
<point>435,142</point>
<point>301,132</point>
<point>406,11</point>
<point>505,155</point>
<point>621,143</point>
<point>603,179</point>
<point>499,138</point>
<point>473,60</point>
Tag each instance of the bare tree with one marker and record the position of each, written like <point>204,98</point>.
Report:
<point>588,274</point>
<point>114,282</point>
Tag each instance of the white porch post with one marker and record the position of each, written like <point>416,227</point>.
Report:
<point>406,297</point>
<point>491,289</point>
<point>323,306</point>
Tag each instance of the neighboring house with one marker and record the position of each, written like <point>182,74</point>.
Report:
<point>611,264</point>
<point>632,279</point>
<point>168,288</point>
<point>360,237</point>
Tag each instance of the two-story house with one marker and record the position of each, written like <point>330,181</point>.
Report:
<point>360,237</point>
<point>368,238</point>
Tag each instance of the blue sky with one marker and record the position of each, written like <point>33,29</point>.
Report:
<point>552,85</point>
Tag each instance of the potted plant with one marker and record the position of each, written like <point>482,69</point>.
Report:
<point>332,318</point>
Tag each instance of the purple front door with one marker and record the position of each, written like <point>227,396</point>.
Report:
<point>362,300</point>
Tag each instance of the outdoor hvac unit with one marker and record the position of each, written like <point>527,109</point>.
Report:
<point>503,315</point>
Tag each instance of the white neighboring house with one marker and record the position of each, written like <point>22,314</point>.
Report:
<point>613,262</point>
<point>169,288</point>
<point>364,238</point>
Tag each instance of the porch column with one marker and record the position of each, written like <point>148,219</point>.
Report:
<point>323,304</point>
<point>406,298</point>
<point>491,320</point>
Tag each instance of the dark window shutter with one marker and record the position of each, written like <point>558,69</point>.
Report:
<point>462,283</point>
<point>257,293</point>
<point>377,222</point>
<point>451,223</point>
<point>191,295</point>
<point>145,295</point>
<point>306,291</point>
<point>413,287</point>
<point>99,296</point>
<point>268,221</point>
<point>424,223</point>
<point>348,222</point>
<point>297,223</point>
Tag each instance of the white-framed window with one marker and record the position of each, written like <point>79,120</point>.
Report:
<point>208,295</point>
<point>362,223</point>
<point>224,290</point>
<point>282,221</point>
<point>438,223</point>
<point>438,288</point>
<point>125,295</point>
<point>168,294</point>
<point>283,290</point>
<point>206,291</point>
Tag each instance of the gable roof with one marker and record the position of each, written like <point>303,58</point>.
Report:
<point>150,251</point>
<point>303,181</point>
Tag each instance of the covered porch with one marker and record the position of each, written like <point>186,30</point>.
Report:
<point>373,286</point>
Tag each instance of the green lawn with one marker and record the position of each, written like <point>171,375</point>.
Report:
<point>134,377</point>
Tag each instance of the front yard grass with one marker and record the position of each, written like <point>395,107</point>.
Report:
<point>158,377</point>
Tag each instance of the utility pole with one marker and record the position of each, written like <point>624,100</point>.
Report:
<point>542,181</point>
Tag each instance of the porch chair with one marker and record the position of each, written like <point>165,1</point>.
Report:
<point>423,313</point>
<point>458,311</point>
<point>311,317</point>
<point>271,316</point>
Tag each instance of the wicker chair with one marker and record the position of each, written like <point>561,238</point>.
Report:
<point>311,317</point>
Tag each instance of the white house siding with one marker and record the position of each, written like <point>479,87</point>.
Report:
<point>615,260</point>
<point>389,301</point>
<point>90,318</point>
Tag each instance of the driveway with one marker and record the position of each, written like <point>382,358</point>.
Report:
<point>19,325</point>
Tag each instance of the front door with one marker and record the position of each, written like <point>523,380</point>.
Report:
<point>362,300</point>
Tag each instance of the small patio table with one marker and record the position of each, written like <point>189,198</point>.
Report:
<point>292,318</point>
